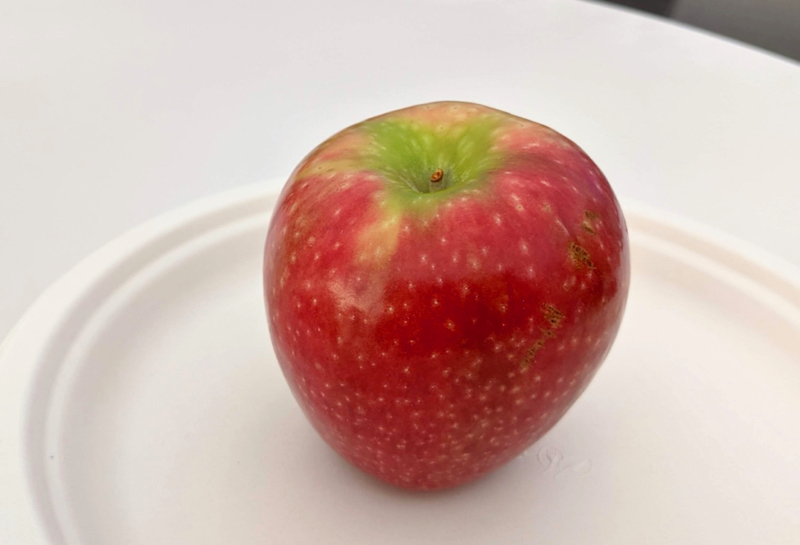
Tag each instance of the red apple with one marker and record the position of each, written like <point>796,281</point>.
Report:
<point>442,283</point>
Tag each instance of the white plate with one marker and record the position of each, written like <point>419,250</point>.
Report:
<point>140,403</point>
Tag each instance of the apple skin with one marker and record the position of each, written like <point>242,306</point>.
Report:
<point>433,333</point>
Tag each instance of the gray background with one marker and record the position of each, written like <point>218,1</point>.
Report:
<point>771,24</point>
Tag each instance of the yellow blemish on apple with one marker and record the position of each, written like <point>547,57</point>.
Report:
<point>377,243</point>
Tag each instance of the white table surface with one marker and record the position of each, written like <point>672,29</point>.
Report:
<point>112,112</point>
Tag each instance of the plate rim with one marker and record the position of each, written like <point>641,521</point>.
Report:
<point>28,521</point>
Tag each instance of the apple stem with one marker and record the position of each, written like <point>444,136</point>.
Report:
<point>437,181</point>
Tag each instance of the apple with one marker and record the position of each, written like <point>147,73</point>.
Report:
<point>442,283</point>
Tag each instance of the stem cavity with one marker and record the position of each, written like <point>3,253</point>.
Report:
<point>437,181</point>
